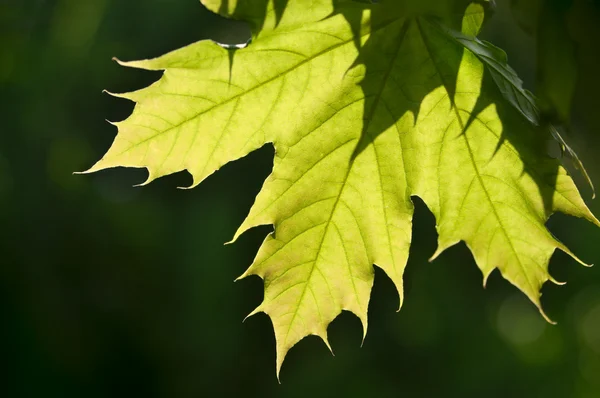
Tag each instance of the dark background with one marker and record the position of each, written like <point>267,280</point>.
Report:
<point>112,291</point>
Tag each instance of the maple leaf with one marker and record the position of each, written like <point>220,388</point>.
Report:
<point>366,105</point>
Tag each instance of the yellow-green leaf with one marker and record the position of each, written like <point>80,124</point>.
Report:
<point>366,105</point>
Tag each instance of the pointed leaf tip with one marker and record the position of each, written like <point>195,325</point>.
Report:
<point>326,341</point>
<point>550,321</point>
<point>254,312</point>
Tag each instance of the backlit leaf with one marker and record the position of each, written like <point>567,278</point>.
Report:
<point>366,105</point>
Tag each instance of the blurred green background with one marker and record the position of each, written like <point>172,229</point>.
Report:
<point>112,291</point>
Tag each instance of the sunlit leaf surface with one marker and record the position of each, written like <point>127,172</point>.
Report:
<point>366,106</point>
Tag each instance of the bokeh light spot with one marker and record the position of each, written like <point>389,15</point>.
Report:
<point>590,328</point>
<point>518,321</point>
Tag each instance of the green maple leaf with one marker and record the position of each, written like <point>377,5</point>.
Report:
<point>366,106</point>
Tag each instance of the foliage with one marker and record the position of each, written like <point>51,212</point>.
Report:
<point>366,105</point>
